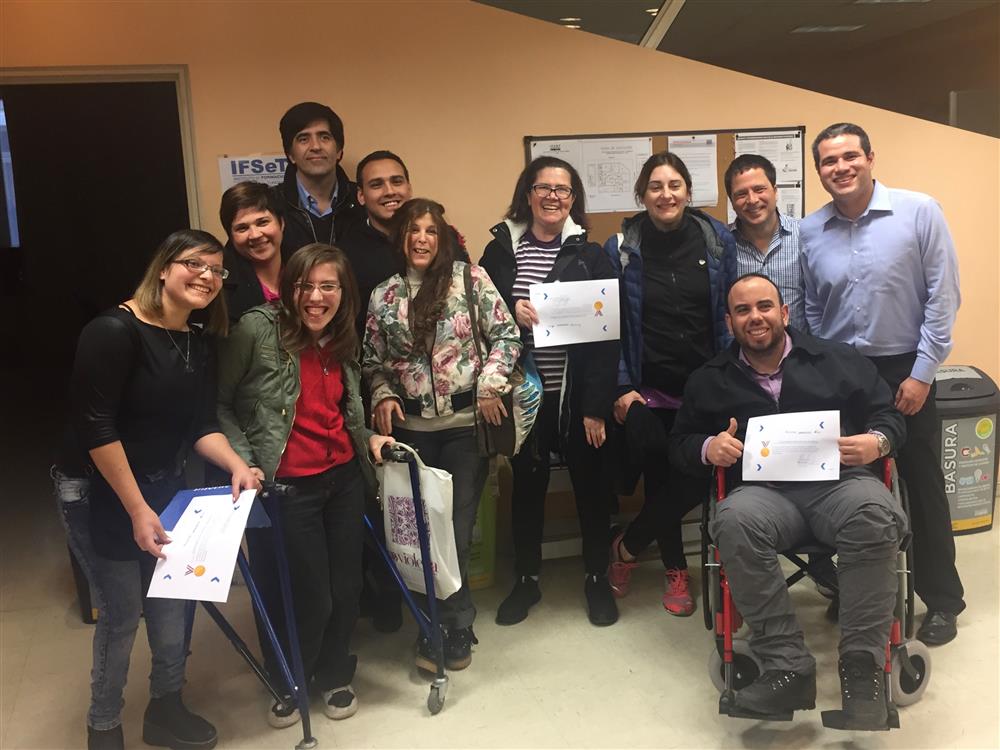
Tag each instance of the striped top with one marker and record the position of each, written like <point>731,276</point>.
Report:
<point>780,264</point>
<point>535,259</point>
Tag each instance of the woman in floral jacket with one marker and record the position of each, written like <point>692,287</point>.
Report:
<point>427,382</point>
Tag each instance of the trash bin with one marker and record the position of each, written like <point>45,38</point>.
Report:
<point>968,405</point>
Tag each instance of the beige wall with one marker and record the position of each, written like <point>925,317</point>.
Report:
<point>453,87</point>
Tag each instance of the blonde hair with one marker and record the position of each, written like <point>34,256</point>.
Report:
<point>149,294</point>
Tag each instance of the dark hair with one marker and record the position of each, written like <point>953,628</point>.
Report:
<point>744,163</point>
<point>427,306</point>
<point>297,119</point>
<point>658,160</point>
<point>379,156</point>
<point>838,129</point>
<point>294,335</point>
<point>255,196</point>
<point>149,294</point>
<point>520,207</point>
<point>755,275</point>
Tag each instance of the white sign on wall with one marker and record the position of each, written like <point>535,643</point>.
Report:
<point>266,168</point>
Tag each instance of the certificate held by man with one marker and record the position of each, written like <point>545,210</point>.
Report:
<point>796,447</point>
<point>575,312</point>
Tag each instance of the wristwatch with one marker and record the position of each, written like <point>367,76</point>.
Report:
<point>884,448</point>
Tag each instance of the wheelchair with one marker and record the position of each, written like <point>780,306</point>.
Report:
<point>732,664</point>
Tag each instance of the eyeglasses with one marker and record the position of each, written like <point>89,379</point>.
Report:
<point>327,287</point>
<point>199,267</point>
<point>562,192</point>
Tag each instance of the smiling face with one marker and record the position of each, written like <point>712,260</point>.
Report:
<point>256,235</point>
<point>756,318</point>
<point>384,187</point>
<point>753,196</point>
<point>314,150</point>
<point>421,243</point>
<point>549,213</point>
<point>846,171</point>
<point>665,197</point>
<point>317,298</point>
<point>191,290</point>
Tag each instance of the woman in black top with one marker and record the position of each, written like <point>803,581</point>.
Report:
<point>143,394</point>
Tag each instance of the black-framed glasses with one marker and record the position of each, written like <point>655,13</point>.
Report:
<point>199,267</point>
<point>327,287</point>
<point>562,192</point>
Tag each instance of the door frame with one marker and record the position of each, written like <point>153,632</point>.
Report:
<point>176,74</point>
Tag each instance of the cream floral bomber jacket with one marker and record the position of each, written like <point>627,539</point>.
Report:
<point>395,369</point>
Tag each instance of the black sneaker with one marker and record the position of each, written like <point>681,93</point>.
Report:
<point>425,658</point>
<point>862,690</point>
<point>105,739</point>
<point>522,597</point>
<point>168,723</point>
<point>938,628</point>
<point>458,648</point>
<point>601,607</point>
<point>778,692</point>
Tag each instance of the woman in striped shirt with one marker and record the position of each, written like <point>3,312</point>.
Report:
<point>543,239</point>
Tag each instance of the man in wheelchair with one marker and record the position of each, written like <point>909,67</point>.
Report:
<point>772,369</point>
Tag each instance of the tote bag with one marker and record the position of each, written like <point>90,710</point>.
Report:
<point>401,536</point>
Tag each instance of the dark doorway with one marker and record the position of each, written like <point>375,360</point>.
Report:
<point>98,177</point>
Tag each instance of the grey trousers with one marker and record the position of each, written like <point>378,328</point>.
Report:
<point>857,515</point>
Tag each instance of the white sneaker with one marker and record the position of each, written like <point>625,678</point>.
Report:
<point>283,714</point>
<point>340,703</point>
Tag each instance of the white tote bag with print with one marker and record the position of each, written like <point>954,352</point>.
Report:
<point>401,539</point>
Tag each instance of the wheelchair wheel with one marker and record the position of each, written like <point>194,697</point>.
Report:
<point>908,689</point>
<point>746,668</point>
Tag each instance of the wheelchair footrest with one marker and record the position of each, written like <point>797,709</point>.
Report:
<point>728,707</point>
<point>837,720</point>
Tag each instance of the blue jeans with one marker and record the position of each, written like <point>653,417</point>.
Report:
<point>73,503</point>
<point>123,584</point>
<point>457,452</point>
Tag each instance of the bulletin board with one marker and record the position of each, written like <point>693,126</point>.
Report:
<point>609,164</point>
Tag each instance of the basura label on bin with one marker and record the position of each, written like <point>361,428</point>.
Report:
<point>967,448</point>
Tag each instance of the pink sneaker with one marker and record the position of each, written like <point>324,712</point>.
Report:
<point>619,571</point>
<point>677,593</point>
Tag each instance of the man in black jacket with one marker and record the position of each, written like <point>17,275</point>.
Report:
<point>770,370</point>
<point>319,201</point>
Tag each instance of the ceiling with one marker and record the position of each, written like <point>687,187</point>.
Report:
<point>906,56</point>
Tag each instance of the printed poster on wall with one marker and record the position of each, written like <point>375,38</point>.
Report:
<point>699,154</point>
<point>608,167</point>
<point>266,168</point>
<point>783,148</point>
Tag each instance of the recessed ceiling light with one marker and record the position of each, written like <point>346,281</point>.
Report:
<point>825,29</point>
<point>886,2</point>
<point>652,11</point>
<point>570,19</point>
<point>571,26</point>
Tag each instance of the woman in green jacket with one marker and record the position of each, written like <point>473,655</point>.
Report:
<point>289,401</point>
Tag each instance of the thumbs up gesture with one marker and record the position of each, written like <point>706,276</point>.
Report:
<point>724,449</point>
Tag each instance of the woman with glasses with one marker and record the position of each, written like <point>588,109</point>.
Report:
<point>427,382</point>
<point>143,388</point>
<point>289,402</point>
<point>544,239</point>
<point>676,264</point>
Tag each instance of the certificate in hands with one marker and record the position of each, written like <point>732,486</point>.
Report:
<point>575,312</point>
<point>204,543</point>
<point>797,447</point>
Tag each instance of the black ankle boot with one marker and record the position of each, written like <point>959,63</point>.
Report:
<point>862,690</point>
<point>168,723</point>
<point>779,691</point>
<point>105,739</point>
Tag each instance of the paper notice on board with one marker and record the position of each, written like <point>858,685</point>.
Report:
<point>783,148</point>
<point>701,158</point>
<point>790,199</point>
<point>607,166</point>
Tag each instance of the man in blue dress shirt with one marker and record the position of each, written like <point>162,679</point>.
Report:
<point>881,273</point>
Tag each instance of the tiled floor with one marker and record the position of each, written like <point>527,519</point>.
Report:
<point>552,681</point>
